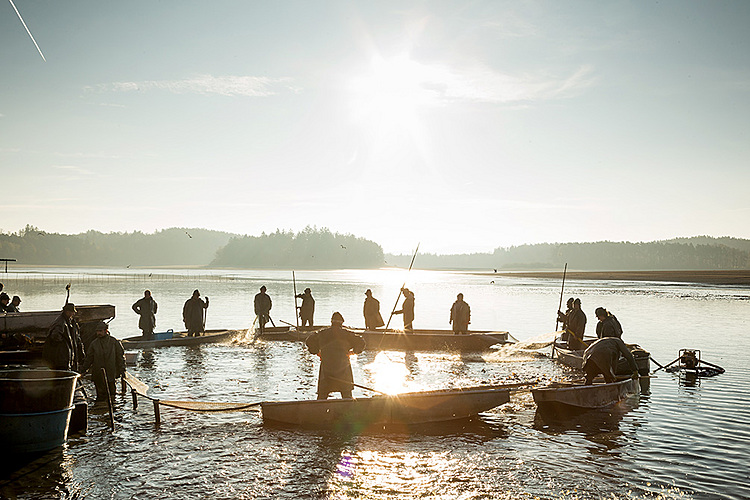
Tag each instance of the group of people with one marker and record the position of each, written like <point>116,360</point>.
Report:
<point>193,314</point>
<point>601,357</point>
<point>8,305</point>
<point>104,358</point>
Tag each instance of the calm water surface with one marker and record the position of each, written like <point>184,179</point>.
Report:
<point>683,439</point>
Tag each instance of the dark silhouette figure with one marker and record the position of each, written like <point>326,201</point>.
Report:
<point>407,309</point>
<point>307,309</point>
<point>371,311</point>
<point>63,348</point>
<point>608,325</point>
<point>146,308</point>
<point>460,315</point>
<point>262,305</point>
<point>601,357</point>
<point>192,314</point>
<point>334,345</point>
<point>105,352</point>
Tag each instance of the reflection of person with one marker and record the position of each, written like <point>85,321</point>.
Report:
<point>146,307</point>
<point>601,357</point>
<point>460,315</point>
<point>334,345</point>
<point>608,325</point>
<point>407,309</point>
<point>371,311</point>
<point>262,305</point>
<point>63,348</point>
<point>307,309</point>
<point>192,314</point>
<point>105,352</point>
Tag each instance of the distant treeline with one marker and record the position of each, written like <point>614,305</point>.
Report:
<point>700,252</point>
<point>310,249</point>
<point>315,248</point>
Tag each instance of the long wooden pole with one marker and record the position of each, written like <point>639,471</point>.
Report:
<point>400,291</point>
<point>562,291</point>
<point>296,316</point>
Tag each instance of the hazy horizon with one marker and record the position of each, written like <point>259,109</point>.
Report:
<point>460,126</point>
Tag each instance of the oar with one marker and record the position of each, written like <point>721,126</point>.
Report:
<point>357,385</point>
<point>667,365</point>
<point>557,321</point>
<point>712,365</point>
<point>401,289</point>
<point>296,316</point>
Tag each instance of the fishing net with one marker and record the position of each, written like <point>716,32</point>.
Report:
<point>202,406</point>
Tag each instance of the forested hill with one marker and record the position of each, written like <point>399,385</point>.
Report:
<point>701,252</point>
<point>309,249</point>
<point>169,247</point>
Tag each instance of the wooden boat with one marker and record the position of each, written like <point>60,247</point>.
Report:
<point>397,410</point>
<point>37,323</point>
<point>577,396</point>
<point>181,338</point>
<point>417,340</point>
<point>574,358</point>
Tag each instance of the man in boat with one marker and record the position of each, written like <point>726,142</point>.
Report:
<point>608,325</point>
<point>334,345</point>
<point>576,326</point>
<point>601,357</point>
<point>192,314</point>
<point>262,305</point>
<point>562,317</point>
<point>4,302</point>
<point>407,309</point>
<point>307,309</point>
<point>105,352</point>
<point>145,307</point>
<point>63,348</point>
<point>460,315</point>
<point>14,303</point>
<point>371,311</point>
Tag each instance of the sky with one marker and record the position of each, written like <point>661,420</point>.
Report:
<point>461,125</point>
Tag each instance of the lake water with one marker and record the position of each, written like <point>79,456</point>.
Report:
<point>683,439</point>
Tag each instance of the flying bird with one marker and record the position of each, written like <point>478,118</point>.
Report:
<point>189,235</point>
<point>492,281</point>
<point>342,246</point>
<point>495,270</point>
<point>128,266</point>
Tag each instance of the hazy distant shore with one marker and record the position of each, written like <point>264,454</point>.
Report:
<point>738,277</point>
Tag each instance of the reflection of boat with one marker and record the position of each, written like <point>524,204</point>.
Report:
<point>400,409</point>
<point>35,409</point>
<point>181,338</point>
<point>561,395</point>
<point>416,340</point>
<point>574,358</point>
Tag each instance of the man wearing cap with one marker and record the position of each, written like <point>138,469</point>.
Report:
<point>262,305</point>
<point>608,325</point>
<point>192,314</point>
<point>63,348</point>
<point>105,352</point>
<point>407,309</point>
<point>460,315</point>
<point>371,311</point>
<point>146,307</point>
<point>334,345</point>
<point>307,309</point>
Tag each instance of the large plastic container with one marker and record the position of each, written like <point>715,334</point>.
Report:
<point>34,432</point>
<point>36,391</point>
<point>163,335</point>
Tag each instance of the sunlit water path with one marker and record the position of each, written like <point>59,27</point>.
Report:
<point>682,440</point>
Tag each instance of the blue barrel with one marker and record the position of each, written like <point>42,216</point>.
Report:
<point>34,432</point>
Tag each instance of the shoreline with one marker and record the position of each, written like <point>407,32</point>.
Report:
<point>733,277</point>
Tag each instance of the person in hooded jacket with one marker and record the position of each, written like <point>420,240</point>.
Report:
<point>63,347</point>
<point>105,352</point>
<point>334,345</point>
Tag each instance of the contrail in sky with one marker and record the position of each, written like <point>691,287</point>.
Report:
<point>27,30</point>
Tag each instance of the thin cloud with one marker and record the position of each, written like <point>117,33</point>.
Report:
<point>243,86</point>
<point>73,169</point>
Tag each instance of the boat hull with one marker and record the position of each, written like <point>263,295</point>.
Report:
<point>574,359</point>
<point>181,339</point>
<point>39,321</point>
<point>586,397</point>
<point>417,340</point>
<point>398,410</point>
